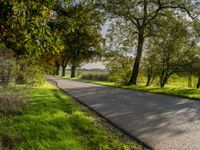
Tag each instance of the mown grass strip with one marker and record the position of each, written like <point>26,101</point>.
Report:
<point>189,93</point>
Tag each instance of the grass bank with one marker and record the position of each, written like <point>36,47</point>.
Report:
<point>55,121</point>
<point>190,93</point>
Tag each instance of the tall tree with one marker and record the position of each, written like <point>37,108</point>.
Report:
<point>139,14</point>
<point>170,48</point>
<point>24,26</point>
<point>79,24</point>
<point>83,41</point>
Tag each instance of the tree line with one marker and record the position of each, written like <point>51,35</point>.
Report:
<point>163,35</point>
<point>55,33</point>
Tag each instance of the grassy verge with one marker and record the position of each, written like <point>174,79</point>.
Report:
<point>55,121</point>
<point>190,93</point>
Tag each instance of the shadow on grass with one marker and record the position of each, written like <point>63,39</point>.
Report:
<point>53,121</point>
<point>153,118</point>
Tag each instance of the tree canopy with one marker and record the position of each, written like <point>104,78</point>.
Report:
<point>139,15</point>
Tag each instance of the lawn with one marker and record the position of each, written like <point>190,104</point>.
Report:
<point>54,121</point>
<point>190,93</point>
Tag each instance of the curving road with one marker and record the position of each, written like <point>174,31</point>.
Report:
<point>162,122</point>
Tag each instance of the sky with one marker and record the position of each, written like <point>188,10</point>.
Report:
<point>94,65</point>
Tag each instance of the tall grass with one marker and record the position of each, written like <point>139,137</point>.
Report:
<point>95,76</point>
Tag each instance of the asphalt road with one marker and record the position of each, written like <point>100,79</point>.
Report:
<point>162,122</point>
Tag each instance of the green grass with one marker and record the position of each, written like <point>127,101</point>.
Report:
<point>190,93</point>
<point>168,90</point>
<point>54,121</point>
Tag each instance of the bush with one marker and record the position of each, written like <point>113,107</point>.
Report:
<point>119,67</point>
<point>9,141</point>
<point>17,75</point>
<point>95,76</point>
<point>29,72</point>
<point>7,65</point>
<point>11,104</point>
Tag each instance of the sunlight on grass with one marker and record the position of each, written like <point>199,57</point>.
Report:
<point>168,90</point>
<point>54,121</point>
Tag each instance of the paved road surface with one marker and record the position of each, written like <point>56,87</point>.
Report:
<point>162,122</point>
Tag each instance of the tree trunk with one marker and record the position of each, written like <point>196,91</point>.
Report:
<point>198,83</point>
<point>148,80</point>
<point>63,65</point>
<point>134,75</point>
<point>57,70</point>
<point>190,81</point>
<point>162,84</point>
<point>73,71</point>
<point>163,80</point>
<point>63,70</point>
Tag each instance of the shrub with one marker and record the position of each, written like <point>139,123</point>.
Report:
<point>7,65</point>
<point>17,75</point>
<point>29,72</point>
<point>9,141</point>
<point>11,104</point>
<point>95,76</point>
<point>119,67</point>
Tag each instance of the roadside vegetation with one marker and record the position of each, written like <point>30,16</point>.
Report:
<point>175,86</point>
<point>191,93</point>
<point>149,45</point>
<point>53,120</point>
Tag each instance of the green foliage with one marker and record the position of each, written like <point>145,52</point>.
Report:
<point>170,51</point>
<point>135,22</point>
<point>54,121</point>
<point>81,33</point>
<point>7,65</point>
<point>95,76</point>
<point>30,71</point>
<point>24,71</point>
<point>119,67</point>
<point>172,89</point>
<point>24,26</point>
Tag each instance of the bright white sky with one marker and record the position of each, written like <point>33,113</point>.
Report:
<point>94,65</point>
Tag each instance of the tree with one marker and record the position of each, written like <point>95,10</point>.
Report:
<point>51,62</point>
<point>139,15</point>
<point>170,48</point>
<point>24,26</point>
<point>195,68</point>
<point>194,65</point>
<point>83,41</point>
<point>60,24</point>
<point>118,65</point>
<point>79,25</point>
<point>149,66</point>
